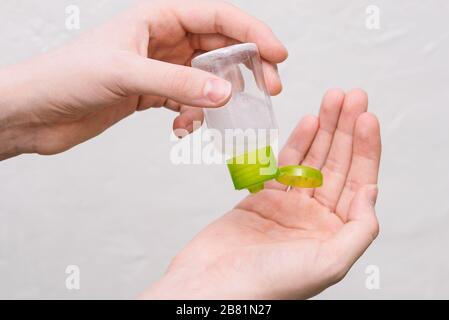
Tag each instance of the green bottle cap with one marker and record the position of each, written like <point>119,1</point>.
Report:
<point>300,176</point>
<point>252,169</point>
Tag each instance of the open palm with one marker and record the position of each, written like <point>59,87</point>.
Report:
<point>294,243</point>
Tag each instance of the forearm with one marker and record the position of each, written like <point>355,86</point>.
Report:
<point>182,285</point>
<point>16,125</point>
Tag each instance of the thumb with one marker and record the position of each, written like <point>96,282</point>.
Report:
<point>362,206</point>
<point>186,85</point>
<point>361,228</point>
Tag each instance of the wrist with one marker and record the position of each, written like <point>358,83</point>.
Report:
<point>184,283</point>
<point>174,286</point>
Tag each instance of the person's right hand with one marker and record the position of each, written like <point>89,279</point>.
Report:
<point>282,243</point>
<point>136,61</point>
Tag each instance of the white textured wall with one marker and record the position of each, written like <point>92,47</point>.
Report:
<point>120,210</point>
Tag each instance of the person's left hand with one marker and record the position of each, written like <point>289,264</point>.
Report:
<point>292,244</point>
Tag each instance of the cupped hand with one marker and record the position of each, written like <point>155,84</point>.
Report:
<point>293,243</point>
<point>136,61</point>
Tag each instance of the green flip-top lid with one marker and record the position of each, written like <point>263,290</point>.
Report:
<point>252,169</point>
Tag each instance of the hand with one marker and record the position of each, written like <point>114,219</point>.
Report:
<point>292,244</point>
<point>137,61</point>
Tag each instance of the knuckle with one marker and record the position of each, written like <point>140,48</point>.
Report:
<point>116,70</point>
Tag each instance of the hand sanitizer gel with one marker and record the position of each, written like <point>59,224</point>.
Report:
<point>247,124</point>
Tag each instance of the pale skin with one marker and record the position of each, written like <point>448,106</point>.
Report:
<point>136,61</point>
<point>292,244</point>
<point>277,243</point>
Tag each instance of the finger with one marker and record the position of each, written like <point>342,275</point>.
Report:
<point>296,147</point>
<point>357,234</point>
<point>272,79</point>
<point>173,105</point>
<point>147,101</point>
<point>328,119</point>
<point>338,160</point>
<point>228,20</point>
<point>365,161</point>
<point>189,119</point>
<point>194,87</point>
<point>209,42</point>
<point>284,208</point>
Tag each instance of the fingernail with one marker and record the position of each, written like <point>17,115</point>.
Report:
<point>217,90</point>
<point>180,133</point>
<point>189,127</point>
<point>372,195</point>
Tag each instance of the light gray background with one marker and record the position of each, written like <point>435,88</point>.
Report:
<point>120,210</point>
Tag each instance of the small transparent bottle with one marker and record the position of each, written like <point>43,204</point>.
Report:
<point>247,123</point>
<point>249,109</point>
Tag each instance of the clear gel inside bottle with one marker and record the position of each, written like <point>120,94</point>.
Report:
<point>247,121</point>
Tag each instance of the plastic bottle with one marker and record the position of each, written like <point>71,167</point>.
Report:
<point>247,122</point>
